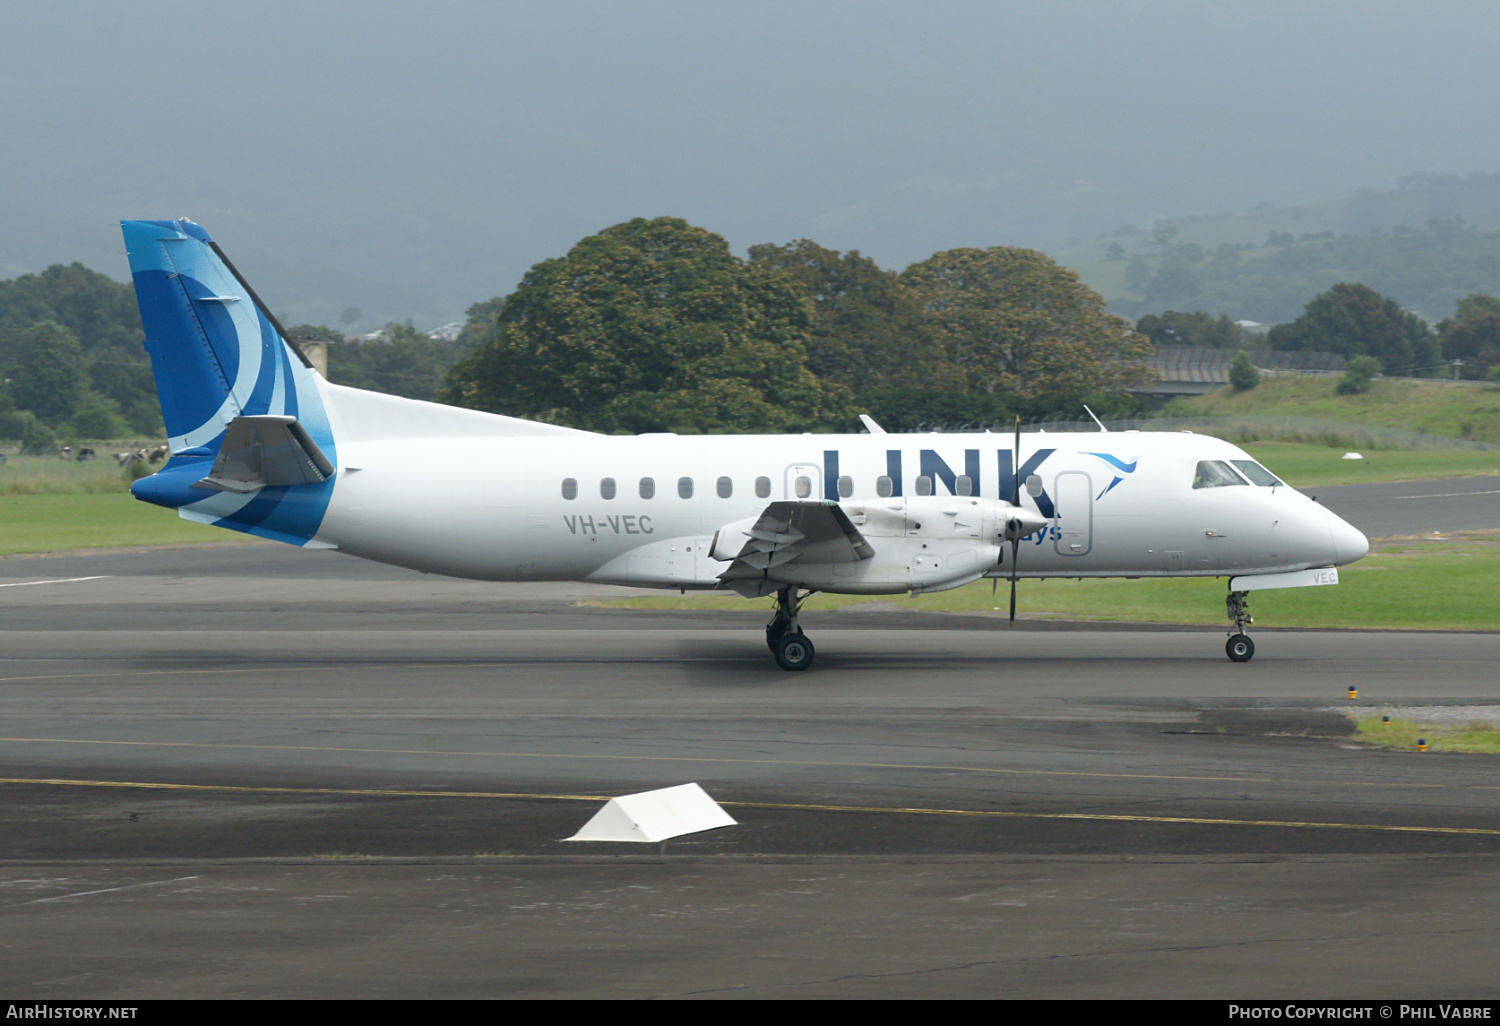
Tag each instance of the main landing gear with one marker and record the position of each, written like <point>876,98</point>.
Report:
<point>1239,647</point>
<point>784,638</point>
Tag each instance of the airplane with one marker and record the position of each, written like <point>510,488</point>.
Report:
<point>263,444</point>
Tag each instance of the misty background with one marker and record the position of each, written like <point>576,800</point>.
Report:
<point>410,160</point>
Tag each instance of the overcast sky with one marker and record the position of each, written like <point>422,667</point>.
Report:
<point>413,158</point>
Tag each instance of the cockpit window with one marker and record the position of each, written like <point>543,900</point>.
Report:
<point>1216,474</point>
<point>1257,474</point>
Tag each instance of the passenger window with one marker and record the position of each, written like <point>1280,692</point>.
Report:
<point>964,485</point>
<point>1257,474</point>
<point>570,488</point>
<point>1216,474</point>
<point>685,487</point>
<point>648,487</point>
<point>725,487</point>
<point>924,485</point>
<point>803,487</point>
<point>846,486</point>
<point>607,488</point>
<point>884,486</point>
<point>762,487</point>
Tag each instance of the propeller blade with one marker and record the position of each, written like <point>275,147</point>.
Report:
<point>1015,500</point>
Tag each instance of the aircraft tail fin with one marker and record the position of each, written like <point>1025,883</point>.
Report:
<point>216,352</point>
<point>220,358</point>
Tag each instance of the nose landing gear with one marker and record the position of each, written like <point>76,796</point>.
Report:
<point>784,638</point>
<point>1239,647</point>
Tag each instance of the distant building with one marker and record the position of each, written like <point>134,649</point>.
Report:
<point>447,333</point>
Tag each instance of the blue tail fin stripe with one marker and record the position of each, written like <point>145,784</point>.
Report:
<point>216,354</point>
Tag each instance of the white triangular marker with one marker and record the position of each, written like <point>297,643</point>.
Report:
<point>655,816</point>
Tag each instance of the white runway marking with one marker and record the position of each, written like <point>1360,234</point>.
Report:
<point>1448,495</point>
<point>107,890</point>
<point>58,580</point>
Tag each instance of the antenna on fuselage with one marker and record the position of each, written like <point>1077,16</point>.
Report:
<point>1096,419</point>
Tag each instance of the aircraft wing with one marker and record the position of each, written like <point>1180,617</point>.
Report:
<point>789,532</point>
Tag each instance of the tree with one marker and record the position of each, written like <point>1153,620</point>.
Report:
<point>1243,374</point>
<point>103,316</point>
<point>1171,328</point>
<point>97,416</point>
<point>869,330</point>
<point>1019,324</point>
<point>1472,335</point>
<point>1353,320</point>
<point>651,325</point>
<point>44,365</point>
<point>1358,374</point>
<point>402,361</point>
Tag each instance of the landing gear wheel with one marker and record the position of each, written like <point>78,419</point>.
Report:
<point>1239,648</point>
<point>793,651</point>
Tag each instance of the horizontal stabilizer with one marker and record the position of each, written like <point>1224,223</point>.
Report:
<point>266,451</point>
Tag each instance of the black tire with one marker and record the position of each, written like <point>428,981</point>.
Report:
<point>1239,648</point>
<point>793,651</point>
<point>775,631</point>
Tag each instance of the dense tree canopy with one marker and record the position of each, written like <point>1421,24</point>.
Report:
<point>1472,335</point>
<point>651,325</point>
<point>869,330</point>
<point>402,361</point>
<point>1018,324</point>
<point>1354,320</point>
<point>116,391</point>
<point>43,368</point>
<point>1172,328</point>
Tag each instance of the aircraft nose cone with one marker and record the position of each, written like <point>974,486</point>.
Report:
<point>1349,543</point>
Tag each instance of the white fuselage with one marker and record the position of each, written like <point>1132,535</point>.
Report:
<point>573,506</point>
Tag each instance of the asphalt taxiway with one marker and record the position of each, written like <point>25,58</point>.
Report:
<point>251,770</point>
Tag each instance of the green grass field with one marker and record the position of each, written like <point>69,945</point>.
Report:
<point>1483,738</point>
<point>39,475</point>
<point>1452,409</point>
<point>1422,584</point>
<point>81,520</point>
<point>1315,466</point>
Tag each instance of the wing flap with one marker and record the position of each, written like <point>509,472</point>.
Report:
<point>790,532</point>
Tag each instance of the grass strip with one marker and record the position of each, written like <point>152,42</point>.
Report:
<point>1314,466</point>
<point>1450,409</point>
<point>1402,735</point>
<point>51,523</point>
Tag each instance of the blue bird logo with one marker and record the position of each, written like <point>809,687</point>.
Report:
<point>1120,468</point>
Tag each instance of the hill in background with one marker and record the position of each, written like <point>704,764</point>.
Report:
<point>1426,243</point>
